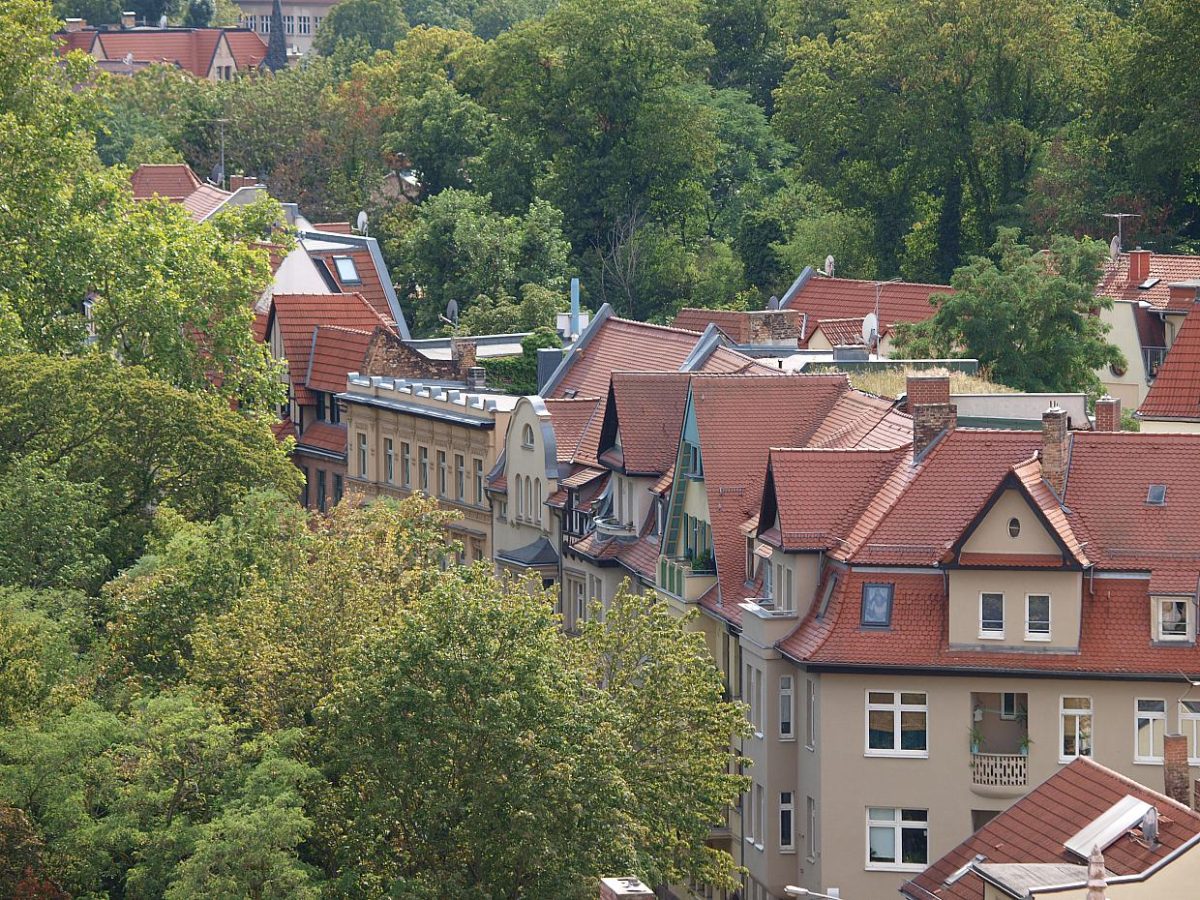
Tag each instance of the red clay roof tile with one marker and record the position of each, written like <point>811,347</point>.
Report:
<point>1167,268</point>
<point>1175,393</point>
<point>846,298</point>
<point>336,353</point>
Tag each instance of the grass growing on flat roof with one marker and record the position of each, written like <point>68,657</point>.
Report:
<point>891,383</point>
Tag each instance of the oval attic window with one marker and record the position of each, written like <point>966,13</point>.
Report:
<point>1014,527</point>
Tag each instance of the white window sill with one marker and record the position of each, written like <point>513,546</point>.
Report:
<point>758,734</point>
<point>758,847</point>
<point>1147,761</point>
<point>812,748</point>
<point>787,739</point>
<point>895,867</point>
<point>787,851</point>
<point>898,754</point>
<point>1067,760</point>
<point>1041,638</point>
<point>991,635</point>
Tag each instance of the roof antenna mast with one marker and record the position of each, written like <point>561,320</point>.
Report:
<point>1120,217</point>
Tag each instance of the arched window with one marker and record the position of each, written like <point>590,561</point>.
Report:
<point>537,500</point>
<point>520,498</point>
<point>527,436</point>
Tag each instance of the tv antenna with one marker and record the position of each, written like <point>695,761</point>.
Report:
<point>451,312</point>
<point>1121,217</point>
<point>362,222</point>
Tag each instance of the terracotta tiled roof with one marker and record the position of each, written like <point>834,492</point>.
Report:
<point>820,494</point>
<point>649,412</point>
<point>844,332</point>
<point>192,49</point>
<point>1114,282</point>
<point>282,428</point>
<point>1033,830</point>
<point>862,420</point>
<point>576,428</point>
<point>370,285</point>
<point>581,476</point>
<point>1175,393</point>
<point>1012,560</point>
<point>247,48</point>
<point>846,298</point>
<point>925,517</point>
<point>324,436</point>
<point>334,227</point>
<point>1151,329</point>
<point>172,181</point>
<point>336,352</point>
<point>76,40</point>
<point>204,201</point>
<point>1107,487</point>
<point>297,315</point>
<point>787,412</point>
<point>736,325</point>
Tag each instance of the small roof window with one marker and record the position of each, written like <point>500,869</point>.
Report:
<point>877,605</point>
<point>1157,495</point>
<point>346,270</point>
<point>1148,283</point>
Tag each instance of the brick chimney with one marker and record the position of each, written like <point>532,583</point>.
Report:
<point>1176,775</point>
<point>241,181</point>
<point>462,352</point>
<point>129,19</point>
<point>624,889</point>
<point>1055,447</point>
<point>1108,414</point>
<point>1139,265</point>
<point>73,25</point>
<point>928,399</point>
<point>476,378</point>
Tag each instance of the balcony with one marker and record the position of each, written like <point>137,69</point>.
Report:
<point>999,774</point>
<point>611,526</point>
<point>1152,359</point>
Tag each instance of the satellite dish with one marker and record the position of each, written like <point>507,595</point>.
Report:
<point>362,222</point>
<point>162,22</point>
<point>829,266</point>
<point>127,59</point>
<point>1150,826</point>
<point>773,303</point>
<point>1114,247</point>
<point>870,329</point>
<point>218,175</point>
<point>452,310</point>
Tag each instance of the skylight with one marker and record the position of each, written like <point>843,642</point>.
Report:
<point>1157,495</point>
<point>1148,283</point>
<point>1108,826</point>
<point>346,270</point>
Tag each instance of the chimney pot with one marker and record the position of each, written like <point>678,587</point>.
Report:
<point>1055,446</point>
<point>1139,265</point>
<point>128,19</point>
<point>624,889</point>
<point>1176,774</point>
<point>1108,414</point>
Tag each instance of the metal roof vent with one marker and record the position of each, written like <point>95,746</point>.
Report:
<point>1122,816</point>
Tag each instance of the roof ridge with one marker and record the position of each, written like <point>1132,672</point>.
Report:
<point>1129,782</point>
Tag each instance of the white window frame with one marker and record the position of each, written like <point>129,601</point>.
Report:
<point>1039,635</point>
<point>1151,716</point>
<point>787,707</point>
<point>362,454</point>
<point>1191,730</point>
<point>477,469</point>
<point>1159,603</point>
<point>897,708</point>
<point>389,458</point>
<point>991,634</point>
<point>1004,713</point>
<point>443,483</point>
<point>347,270</point>
<point>1063,714</point>
<point>814,846</point>
<point>810,714</point>
<point>760,808</point>
<point>787,826</point>
<point>406,464</point>
<point>898,827</point>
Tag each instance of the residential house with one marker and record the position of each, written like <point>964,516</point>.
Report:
<point>1086,826</point>
<point>1173,401</point>
<point>301,19</point>
<point>549,475</point>
<point>216,54</point>
<point>1152,294</point>
<point>832,310</point>
<point>420,425</point>
<point>177,183</point>
<point>321,338</point>
<point>353,263</point>
<point>924,634</point>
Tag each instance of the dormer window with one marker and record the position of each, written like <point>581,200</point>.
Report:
<point>1172,618</point>
<point>877,605</point>
<point>1014,527</point>
<point>347,272</point>
<point>1156,495</point>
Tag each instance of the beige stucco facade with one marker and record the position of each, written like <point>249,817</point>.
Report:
<point>301,19</point>
<point>1131,386</point>
<point>403,437</point>
<point>1180,877</point>
<point>1169,426</point>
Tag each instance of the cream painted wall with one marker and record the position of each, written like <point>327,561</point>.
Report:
<point>1064,589</point>
<point>942,782</point>
<point>1167,427</point>
<point>1131,387</point>
<point>1178,879</point>
<point>515,531</point>
<point>991,535</point>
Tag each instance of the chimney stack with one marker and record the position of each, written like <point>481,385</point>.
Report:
<point>1055,447</point>
<point>129,19</point>
<point>928,401</point>
<point>1139,265</point>
<point>72,25</point>
<point>241,181</point>
<point>476,378</point>
<point>624,889</point>
<point>1108,414</point>
<point>1176,775</point>
<point>462,352</point>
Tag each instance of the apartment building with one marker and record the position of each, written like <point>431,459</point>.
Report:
<point>301,19</point>
<point>437,438</point>
<point>550,457</point>
<point>924,634</point>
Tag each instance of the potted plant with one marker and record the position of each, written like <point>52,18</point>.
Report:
<point>977,740</point>
<point>1023,747</point>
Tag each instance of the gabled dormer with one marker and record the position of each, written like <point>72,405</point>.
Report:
<point>1015,572</point>
<point>687,566</point>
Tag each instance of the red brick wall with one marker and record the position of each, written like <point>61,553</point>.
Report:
<point>922,389</point>
<point>1176,775</point>
<point>1108,414</point>
<point>1054,448</point>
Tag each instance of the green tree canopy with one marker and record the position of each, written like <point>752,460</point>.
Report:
<point>1027,316</point>
<point>368,25</point>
